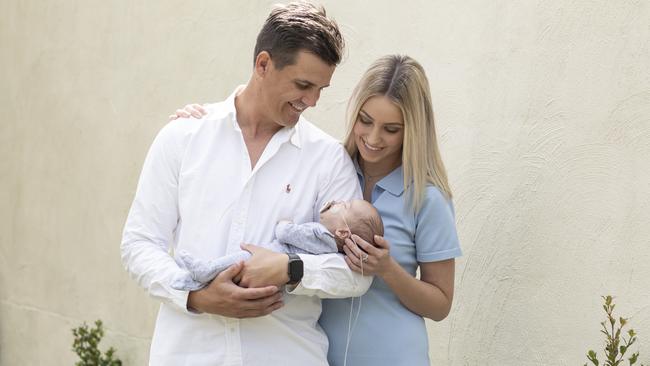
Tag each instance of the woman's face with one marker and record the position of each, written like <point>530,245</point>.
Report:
<point>379,131</point>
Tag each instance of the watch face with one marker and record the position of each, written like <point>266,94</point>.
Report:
<point>295,270</point>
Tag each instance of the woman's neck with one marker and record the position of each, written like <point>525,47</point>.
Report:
<point>379,169</point>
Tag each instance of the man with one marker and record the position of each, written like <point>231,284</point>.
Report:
<point>209,185</point>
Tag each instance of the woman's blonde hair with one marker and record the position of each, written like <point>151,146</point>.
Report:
<point>403,80</point>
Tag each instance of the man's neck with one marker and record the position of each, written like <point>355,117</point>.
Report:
<point>252,121</point>
<point>257,129</point>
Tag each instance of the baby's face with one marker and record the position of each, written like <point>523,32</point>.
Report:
<point>333,215</point>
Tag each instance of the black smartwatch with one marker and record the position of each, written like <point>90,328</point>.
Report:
<point>295,269</point>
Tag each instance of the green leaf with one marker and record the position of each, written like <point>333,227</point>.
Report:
<point>631,332</point>
<point>85,345</point>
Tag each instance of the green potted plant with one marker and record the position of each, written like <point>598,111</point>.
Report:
<point>85,345</point>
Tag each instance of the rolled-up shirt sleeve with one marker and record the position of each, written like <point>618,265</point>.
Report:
<point>327,275</point>
<point>153,219</point>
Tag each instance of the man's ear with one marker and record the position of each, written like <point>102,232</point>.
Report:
<point>343,233</point>
<point>262,63</point>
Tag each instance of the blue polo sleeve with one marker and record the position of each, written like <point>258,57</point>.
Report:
<point>436,238</point>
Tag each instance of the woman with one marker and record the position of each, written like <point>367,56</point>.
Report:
<point>392,140</point>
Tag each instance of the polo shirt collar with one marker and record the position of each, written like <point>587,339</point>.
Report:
<point>292,133</point>
<point>393,182</point>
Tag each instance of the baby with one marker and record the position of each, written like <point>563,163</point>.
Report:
<point>338,221</point>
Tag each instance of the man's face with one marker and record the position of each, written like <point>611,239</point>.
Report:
<point>286,93</point>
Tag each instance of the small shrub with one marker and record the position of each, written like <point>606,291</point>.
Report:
<point>616,345</point>
<point>85,346</point>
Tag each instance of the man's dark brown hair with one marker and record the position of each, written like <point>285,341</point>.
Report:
<point>299,26</point>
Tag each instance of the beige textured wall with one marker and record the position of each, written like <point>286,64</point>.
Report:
<point>543,113</point>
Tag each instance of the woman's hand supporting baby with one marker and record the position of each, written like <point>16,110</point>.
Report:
<point>376,258</point>
<point>430,297</point>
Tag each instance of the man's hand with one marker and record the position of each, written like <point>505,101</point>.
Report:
<point>264,268</point>
<point>223,297</point>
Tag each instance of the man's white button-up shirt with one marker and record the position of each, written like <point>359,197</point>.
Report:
<point>197,192</point>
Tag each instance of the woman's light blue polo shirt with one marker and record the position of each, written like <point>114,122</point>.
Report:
<point>386,332</point>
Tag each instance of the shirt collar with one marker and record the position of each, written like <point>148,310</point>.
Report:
<point>295,134</point>
<point>393,182</point>
<point>292,133</point>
